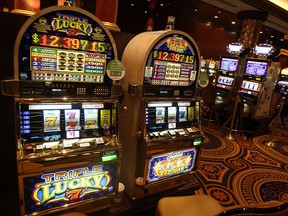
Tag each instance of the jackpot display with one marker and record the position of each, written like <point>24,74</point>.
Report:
<point>161,145</point>
<point>66,111</point>
<point>62,52</point>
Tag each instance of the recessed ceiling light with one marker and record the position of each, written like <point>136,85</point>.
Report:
<point>233,22</point>
<point>216,17</point>
<point>196,9</point>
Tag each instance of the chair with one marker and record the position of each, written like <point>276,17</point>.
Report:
<point>193,205</point>
<point>205,205</point>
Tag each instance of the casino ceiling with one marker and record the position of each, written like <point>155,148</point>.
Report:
<point>133,15</point>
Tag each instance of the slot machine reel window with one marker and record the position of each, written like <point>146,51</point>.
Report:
<point>251,88</point>
<point>165,116</point>
<point>171,62</point>
<point>225,82</point>
<point>66,123</point>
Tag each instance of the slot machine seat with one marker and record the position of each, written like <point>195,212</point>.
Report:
<point>205,205</point>
<point>208,105</point>
<point>191,205</point>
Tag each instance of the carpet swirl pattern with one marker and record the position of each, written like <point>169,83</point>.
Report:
<point>243,172</point>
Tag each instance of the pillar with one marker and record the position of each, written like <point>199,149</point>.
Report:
<point>106,11</point>
<point>251,24</point>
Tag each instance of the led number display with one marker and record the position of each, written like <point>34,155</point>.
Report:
<point>68,43</point>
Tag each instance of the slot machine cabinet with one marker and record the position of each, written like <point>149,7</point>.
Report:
<point>66,109</point>
<point>230,70</point>
<point>259,82</point>
<point>161,131</point>
<point>282,84</point>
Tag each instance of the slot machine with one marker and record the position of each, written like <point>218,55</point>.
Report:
<point>282,85</point>
<point>161,131</point>
<point>259,81</point>
<point>229,70</point>
<point>66,91</point>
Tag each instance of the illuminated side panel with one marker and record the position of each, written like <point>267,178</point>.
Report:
<point>170,164</point>
<point>172,62</point>
<point>65,46</point>
<point>64,187</point>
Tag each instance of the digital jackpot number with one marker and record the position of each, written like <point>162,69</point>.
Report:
<point>173,57</point>
<point>68,43</point>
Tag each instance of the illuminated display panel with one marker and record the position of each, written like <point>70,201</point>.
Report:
<point>256,67</point>
<point>61,187</point>
<point>65,46</point>
<point>229,64</point>
<point>253,86</point>
<point>170,164</point>
<point>284,71</point>
<point>171,115</point>
<point>172,62</point>
<point>225,82</point>
<point>283,83</point>
<point>55,122</point>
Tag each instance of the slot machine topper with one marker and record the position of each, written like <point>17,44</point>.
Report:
<point>161,134</point>
<point>230,69</point>
<point>66,89</point>
<point>259,81</point>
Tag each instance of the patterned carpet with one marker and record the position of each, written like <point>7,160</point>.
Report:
<point>243,172</point>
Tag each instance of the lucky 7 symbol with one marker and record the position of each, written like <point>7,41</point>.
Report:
<point>72,119</point>
<point>35,38</point>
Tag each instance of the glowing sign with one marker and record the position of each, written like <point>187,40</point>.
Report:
<point>55,189</point>
<point>171,164</point>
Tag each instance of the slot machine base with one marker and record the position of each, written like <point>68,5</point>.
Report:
<point>183,184</point>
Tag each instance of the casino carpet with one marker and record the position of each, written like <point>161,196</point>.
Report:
<point>243,172</point>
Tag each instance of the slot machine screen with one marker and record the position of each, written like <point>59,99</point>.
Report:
<point>65,46</point>
<point>256,67</point>
<point>55,122</point>
<point>225,82</point>
<point>229,63</point>
<point>172,62</point>
<point>170,115</point>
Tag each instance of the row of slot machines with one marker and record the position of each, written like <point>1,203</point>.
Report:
<point>253,78</point>
<point>72,145</point>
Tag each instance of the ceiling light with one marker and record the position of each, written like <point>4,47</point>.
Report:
<point>196,9</point>
<point>233,22</point>
<point>216,17</point>
<point>161,4</point>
